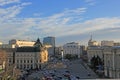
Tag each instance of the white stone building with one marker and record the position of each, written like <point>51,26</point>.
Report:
<point>107,43</point>
<point>72,48</point>
<point>112,62</point>
<point>95,51</point>
<point>28,57</point>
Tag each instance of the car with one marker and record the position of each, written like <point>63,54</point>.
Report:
<point>89,74</point>
<point>77,77</point>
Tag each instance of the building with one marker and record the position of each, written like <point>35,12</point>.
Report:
<point>112,62</point>
<point>94,51</point>
<point>71,48</point>
<point>92,43</point>
<point>107,43</point>
<point>3,59</point>
<point>110,55</point>
<point>21,43</point>
<point>7,46</point>
<point>116,43</point>
<point>28,57</point>
<point>50,41</point>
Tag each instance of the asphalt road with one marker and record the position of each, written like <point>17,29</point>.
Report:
<point>75,68</point>
<point>78,68</point>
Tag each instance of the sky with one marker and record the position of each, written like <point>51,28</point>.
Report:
<point>67,20</point>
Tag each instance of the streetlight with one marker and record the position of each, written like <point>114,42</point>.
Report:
<point>62,55</point>
<point>114,63</point>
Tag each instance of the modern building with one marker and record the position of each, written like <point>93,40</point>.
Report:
<point>107,43</point>
<point>21,43</point>
<point>71,48</point>
<point>50,41</point>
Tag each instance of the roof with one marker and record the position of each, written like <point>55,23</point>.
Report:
<point>38,43</point>
<point>28,49</point>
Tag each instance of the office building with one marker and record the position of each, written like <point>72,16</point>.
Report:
<point>49,41</point>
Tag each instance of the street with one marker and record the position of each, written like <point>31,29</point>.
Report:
<point>59,70</point>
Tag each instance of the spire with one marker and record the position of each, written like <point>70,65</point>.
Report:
<point>38,43</point>
<point>91,37</point>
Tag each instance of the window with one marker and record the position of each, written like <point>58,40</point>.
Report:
<point>31,66</point>
<point>20,66</point>
<point>24,61</point>
<point>17,61</point>
<point>31,61</point>
<point>17,66</point>
<point>24,66</point>
<point>27,66</point>
<point>10,60</point>
<point>20,61</point>
<point>27,61</point>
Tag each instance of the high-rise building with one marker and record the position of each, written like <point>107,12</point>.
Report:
<point>49,41</point>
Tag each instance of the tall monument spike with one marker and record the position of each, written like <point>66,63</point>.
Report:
<point>91,37</point>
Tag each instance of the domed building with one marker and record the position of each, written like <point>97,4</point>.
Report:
<point>92,43</point>
<point>31,57</point>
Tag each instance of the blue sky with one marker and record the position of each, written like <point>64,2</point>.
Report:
<point>67,20</point>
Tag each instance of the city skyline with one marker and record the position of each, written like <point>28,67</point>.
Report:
<point>66,20</point>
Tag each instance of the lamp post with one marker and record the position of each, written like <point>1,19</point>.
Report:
<point>62,55</point>
<point>114,63</point>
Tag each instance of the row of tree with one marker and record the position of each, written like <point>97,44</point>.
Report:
<point>96,63</point>
<point>71,57</point>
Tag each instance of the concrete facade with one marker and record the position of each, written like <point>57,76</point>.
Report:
<point>111,62</point>
<point>28,57</point>
<point>107,43</point>
<point>72,48</point>
<point>95,51</point>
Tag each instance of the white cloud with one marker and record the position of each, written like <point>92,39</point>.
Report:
<point>90,2</point>
<point>4,2</point>
<point>12,11</point>
<point>61,24</point>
